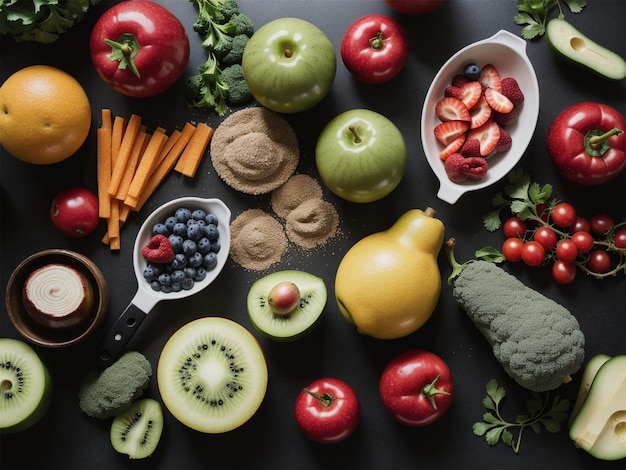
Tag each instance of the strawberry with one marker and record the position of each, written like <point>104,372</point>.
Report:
<point>511,89</point>
<point>452,109</point>
<point>490,78</point>
<point>505,141</point>
<point>453,166</point>
<point>448,131</point>
<point>459,80</point>
<point>480,113</point>
<point>471,93</point>
<point>471,148</point>
<point>488,135</point>
<point>452,147</point>
<point>158,250</point>
<point>505,119</point>
<point>498,101</point>
<point>453,92</point>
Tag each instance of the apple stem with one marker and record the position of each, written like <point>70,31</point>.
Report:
<point>288,53</point>
<point>357,137</point>
<point>377,41</point>
<point>326,399</point>
<point>429,391</point>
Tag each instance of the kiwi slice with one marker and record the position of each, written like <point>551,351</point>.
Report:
<point>212,375</point>
<point>136,431</point>
<point>25,386</point>
<point>269,294</point>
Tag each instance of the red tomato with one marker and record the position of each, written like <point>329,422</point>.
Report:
<point>414,7</point>
<point>563,273</point>
<point>512,249</point>
<point>75,212</point>
<point>374,48</point>
<point>601,223</point>
<point>546,237</point>
<point>581,224</point>
<point>619,239</point>
<point>563,214</point>
<point>566,250</point>
<point>584,241</point>
<point>416,387</point>
<point>599,261</point>
<point>533,253</point>
<point>327,411</point>
<point>139,48</point>
<point>514,227</point>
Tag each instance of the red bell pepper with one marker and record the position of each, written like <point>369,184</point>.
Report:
<point>587,143</point>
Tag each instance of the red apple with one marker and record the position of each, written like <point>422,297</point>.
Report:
<point>74,212</point>
<point>284,297</point>
<point>414,7</point>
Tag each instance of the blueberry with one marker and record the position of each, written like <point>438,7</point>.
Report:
<point>211,219</point>
<point>176,286</point>
<point>160,229</point>
<point>183,214</point>
<point>204,245</point>
<point>189,271</point>
<point>189,247</point>
<point>200,275</point>
<point>180,261</point>
<point>472,71</point>
<point>180,229</point>
<point>165,279</point>
<point>215,246</point>
<point>170,222</point>
<point>210,231</point>
<point>194,232</point>
<point>156,268</point>
<point>177,276</point>
<point>156,286</point>
<point>195,260</point>
<point>166,289</point>
<point>210,260</point>
<point>177,243</point>
<point>198,214</point>
<point>188,283</point>
<point>149,274</point>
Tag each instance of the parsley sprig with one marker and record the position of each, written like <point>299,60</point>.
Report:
<point>533,14</point>
<point>542,412</point>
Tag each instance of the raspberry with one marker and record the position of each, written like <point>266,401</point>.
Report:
<point>511,89</point>
<point>505,119</point>
<point>505,141</point>
<point>471,148</point>
<point>453,166</point>
<point>459,80</point>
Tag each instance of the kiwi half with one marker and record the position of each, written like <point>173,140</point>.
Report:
<point>212,375</point>
<point>25,386</point>
<point>291,326</point>
<point>136,432</point>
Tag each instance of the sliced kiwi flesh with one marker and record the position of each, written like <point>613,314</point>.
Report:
<point>289,326</point>
<point>25,386</point>
<point>136,432</point>
<point>212,375</point>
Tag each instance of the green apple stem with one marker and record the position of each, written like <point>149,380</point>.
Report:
<point>377,41</point>
<point>288,53</point>
<point>357,137</point>
<point>326,399</point>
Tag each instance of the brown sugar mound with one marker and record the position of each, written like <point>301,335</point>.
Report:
<point>312,223</point>
<point>295,191</point>
<point>257,240</point>
<point>255,150</point>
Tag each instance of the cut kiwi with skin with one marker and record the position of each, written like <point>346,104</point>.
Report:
<point>137,431</point>
<point>212,375</point>
<point>25,386</point>
<point>275,322</point>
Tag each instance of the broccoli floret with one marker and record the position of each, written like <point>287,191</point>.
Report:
<point>538,341</point>
<point>109,393</point>
<point>243,24</point>
<point>238,92</point>
<point>235,51</point>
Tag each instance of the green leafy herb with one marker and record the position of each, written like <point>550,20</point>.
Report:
<point>542,411</point>
<point>533,14</point>
<point>41,20</point>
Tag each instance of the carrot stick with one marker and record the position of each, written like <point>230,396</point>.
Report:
<point>131,165</point>
<point>132,129</point>
<point>113,222</point>
<point>119,126</point>
<point>145,167</point>
<point>195,150</point>
<point>103,152</point>
<point>107,122</point>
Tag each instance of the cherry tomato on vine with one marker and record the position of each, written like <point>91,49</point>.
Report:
<point>566,251</point>
<point>563,272</point>
<point>512,249</point>
<point>599,261</point>
<point>584,241</point>
<point>563,214</point>
<point>546,237</point>
<point>619,239</point>
<point>601,223</point>
<point>542,212</point>
<point>581,224</point>
<point>533,253</point>
<point>514,227</point>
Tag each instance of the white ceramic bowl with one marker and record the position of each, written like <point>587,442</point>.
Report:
<point>507,53</point>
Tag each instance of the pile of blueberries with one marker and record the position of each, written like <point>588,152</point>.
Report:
<point>194,237</point>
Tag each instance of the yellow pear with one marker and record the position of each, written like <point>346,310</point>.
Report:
<point>388,283</point>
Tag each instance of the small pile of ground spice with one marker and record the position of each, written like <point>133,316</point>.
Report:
<point>255,150</point>
<point>294,192</point>
<point>257,240</point>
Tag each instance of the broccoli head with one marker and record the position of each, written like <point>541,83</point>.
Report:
<point>109,393</point>
<point>538,341</point>
<point>235,51</point>
<point>238,92</point>
<point>243,24</point>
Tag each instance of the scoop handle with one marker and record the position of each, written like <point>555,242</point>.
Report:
<point>119,336</point>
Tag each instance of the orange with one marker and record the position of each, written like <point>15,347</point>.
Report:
<point>44,115</point>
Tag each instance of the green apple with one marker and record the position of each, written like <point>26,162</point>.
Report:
<point>289,65</point>
<point>361,155</point>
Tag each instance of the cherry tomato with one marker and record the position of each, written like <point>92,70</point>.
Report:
<point>563,214</point>
<point>512,249</point>
<point>533,253</point>
<point>601,223</point>
<point>566,251</point>
<point>542,212</point>
<point>514,227</point>
<point>619,239</point>
<point>599,261</point>
<point>546,237</point>
<point>74,212</point>
<point>563,272</point>
<point>584,241</point>
<point>581,224</point>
